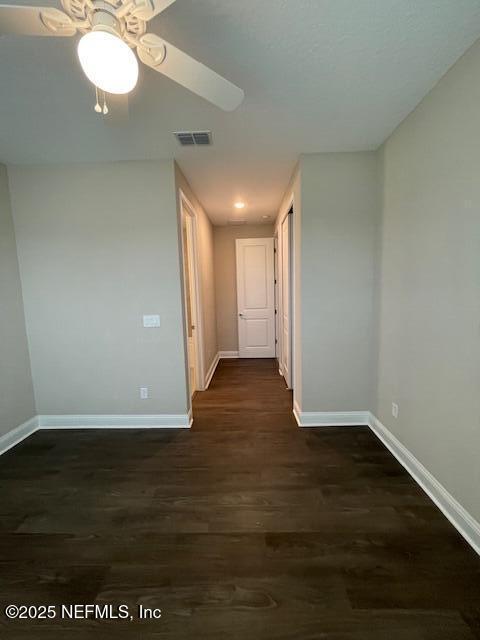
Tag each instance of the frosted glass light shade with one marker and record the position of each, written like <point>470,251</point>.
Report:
<point>108,62</point>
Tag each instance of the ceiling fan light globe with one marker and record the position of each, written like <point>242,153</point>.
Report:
<point>108,62</point>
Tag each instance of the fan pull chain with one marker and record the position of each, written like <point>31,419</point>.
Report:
<point>97,106</point>
<point>105,108</point>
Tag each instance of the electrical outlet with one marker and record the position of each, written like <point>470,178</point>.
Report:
<point>394,410</point>
<point>144,393</point>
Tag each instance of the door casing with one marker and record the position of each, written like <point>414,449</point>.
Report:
<point>190,255</point>
<point>286,295</point>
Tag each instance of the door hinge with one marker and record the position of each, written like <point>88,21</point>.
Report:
<point>275,312</point>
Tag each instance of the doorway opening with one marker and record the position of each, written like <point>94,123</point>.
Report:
<point>192,301</point>
<point>251,270</point>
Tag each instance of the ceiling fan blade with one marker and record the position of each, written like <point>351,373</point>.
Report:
<point>191,74</point>
<point>35,21</point>
<point>148,9</point>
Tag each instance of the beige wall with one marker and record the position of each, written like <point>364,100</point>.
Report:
<point>206,268</point>
<point>339,218</point>
<point>429,360</point>
<point>17,402</point>
<point>226,279</point>
<point>98,248</point>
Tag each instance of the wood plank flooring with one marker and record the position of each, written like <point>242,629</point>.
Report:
<point>245,527</point>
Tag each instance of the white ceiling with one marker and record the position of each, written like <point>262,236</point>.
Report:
<point>319,75</point>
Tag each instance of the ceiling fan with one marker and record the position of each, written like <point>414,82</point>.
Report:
<point>111,31</point>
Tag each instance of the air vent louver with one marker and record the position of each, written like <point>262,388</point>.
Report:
<point>202,137</point>
<point>194,138</point>
<point>185,139</point>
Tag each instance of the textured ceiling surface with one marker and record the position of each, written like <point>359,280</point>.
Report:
<point>319,75</point>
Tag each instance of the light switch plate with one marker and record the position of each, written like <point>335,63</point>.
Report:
<point>151,322</point>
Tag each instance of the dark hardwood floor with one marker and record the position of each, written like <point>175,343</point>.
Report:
<point>245,527</point>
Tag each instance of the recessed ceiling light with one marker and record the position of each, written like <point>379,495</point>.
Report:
<point>239,205</point>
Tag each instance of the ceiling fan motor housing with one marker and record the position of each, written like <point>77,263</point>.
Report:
<point>104,19</point>
<point>122,18</point>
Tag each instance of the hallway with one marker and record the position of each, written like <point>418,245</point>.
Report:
<point>244,527</point>
<point>245,393</point>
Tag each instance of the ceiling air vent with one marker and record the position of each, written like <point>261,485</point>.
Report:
<point>202,137</point>
<point>194,138</point>
<point>237,221</point>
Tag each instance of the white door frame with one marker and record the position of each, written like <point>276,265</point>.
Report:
<point>187,209</point>
<point>276,264</point>
<point>290,206</point>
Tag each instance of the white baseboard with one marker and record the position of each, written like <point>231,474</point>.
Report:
<point>227,354</point>
<point>134,421</point>
<point>330,418</point>
<point>162,421</point>
<point>211,371</point>
<point>296,413</point>
<point>465,524</point>
<point>221,355</point>
<point>13,437</point>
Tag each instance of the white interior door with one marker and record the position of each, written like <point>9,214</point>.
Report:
<point>285,308</point>
<point>255,298</point>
